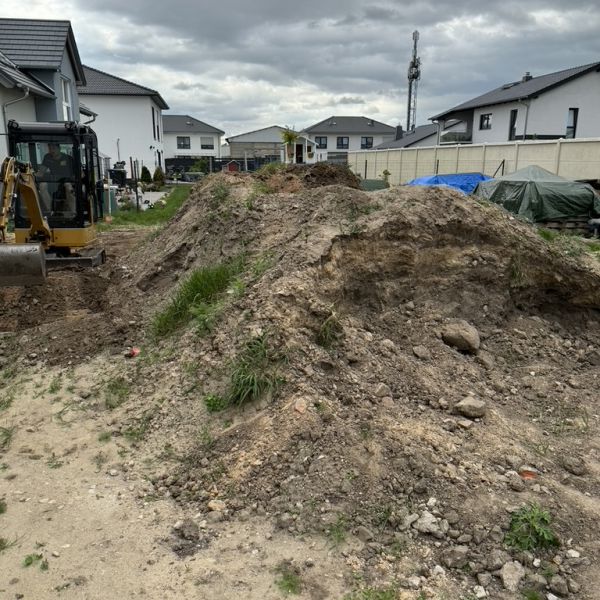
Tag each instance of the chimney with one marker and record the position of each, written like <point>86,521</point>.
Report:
<point>527,77</point>
<point>399,132</point>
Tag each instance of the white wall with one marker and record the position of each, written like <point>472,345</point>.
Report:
<point>171,150</point>
<point>547,113</point>
<point>124,127</point>
<point>24,110</point>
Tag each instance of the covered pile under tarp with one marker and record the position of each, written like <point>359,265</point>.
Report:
<point>463,182</point>
<point>540,196</point>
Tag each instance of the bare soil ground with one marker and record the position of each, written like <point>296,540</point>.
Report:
<point>361,472</point>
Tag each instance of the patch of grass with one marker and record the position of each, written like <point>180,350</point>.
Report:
<point>55,385</point>
<point>530,529</point>
<point>254,372</point>
<point>2,506</point>
<point>532,595</point>
<point>105,436</point>
<point>116,392</point>
<point>289,581</point>
<point>262,264</point>
<point>8,373</point>
<point>6,436</point>
<point>54,463</point>
<point>5,544</point>
<point>34,559</point>
<point>100,459</point>
<point>547,234</point>
<point>195,297</point>
<point>135,433</point>
<point>271,168</point>
<point>330,331</point>
<point>7,400</point>
<point>336,533</point>
<point>205,437</point>
<point>219,194</point>
<point>214,402</point>
<point>153,216</point>
<point>370,593</point>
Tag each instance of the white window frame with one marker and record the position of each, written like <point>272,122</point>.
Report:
<point>66,99</point>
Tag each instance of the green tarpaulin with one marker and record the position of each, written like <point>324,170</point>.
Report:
<point>538,195</point>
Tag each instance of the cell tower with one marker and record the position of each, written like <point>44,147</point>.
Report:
<point>414,74</point>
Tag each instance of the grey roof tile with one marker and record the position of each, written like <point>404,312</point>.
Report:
<point>16,78</point>
<point>99,83</point>
<point>39,44</point>
<point>185,123</point>
<point>412,137</point>
<point>520,90</point>
<point>350,125</point>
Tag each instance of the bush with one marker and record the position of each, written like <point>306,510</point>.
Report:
<point>530,529</point>
<point>159,176</point>
<point>200,166</point>
<point>145,177</point>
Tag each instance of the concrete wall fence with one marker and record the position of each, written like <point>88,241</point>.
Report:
<point>573,159</point>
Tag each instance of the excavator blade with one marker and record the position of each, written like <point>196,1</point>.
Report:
<point>22,264</point>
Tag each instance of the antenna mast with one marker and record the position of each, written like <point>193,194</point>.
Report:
<point>414,74</point>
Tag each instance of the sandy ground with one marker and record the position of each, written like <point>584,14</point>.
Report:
<point>74,500</point>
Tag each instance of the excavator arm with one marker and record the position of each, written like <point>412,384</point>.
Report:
<point>22,264</point>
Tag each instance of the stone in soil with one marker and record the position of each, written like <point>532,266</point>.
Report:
<point>511,575</point>
<point>471,407</point>
<point>462,336</point>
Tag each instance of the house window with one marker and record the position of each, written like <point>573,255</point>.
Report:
<point>366,142</point>
<point>153,122</point>
<point>207,143</point>
<point>342,143</point>
<point>572,123</point>
<point>485,121</point>
<point>512,125</point>
<point>183,142</point>
<point>66,100</point>
<point>321,142</point>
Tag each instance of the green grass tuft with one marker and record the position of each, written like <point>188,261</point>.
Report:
<point>2,506</point>
<point>254,372</point>
<point>116,392</point>
<point>6,436</point>
<point>530,529</point>
<point>153,216</point>
<point>289,581</point>
<point>215,403</point>
<point>5,544</point>
<point>195,297</point>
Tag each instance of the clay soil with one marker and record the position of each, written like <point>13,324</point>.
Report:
<point>355,473</point>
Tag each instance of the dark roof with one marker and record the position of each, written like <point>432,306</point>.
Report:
<point>100,83</point>
<point>520,90</point>
<point>350,125</point>
<point>420,133</point>
<point>185,123</point>
<point>11,76</point>
<point>39,44</point>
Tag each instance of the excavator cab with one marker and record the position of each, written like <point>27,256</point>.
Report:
<point>59,184</point>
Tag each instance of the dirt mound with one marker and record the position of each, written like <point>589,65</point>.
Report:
<point>371,430</point>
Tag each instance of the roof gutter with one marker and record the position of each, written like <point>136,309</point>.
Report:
<point>7,104</point>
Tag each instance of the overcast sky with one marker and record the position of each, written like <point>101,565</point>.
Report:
<point>241,65</point>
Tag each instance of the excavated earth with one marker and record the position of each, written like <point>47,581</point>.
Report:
<point>364,441</point>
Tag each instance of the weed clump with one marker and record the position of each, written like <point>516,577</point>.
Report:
<point>530,529</point>
<point>116,392</point>
<point>198,296</point>
<point>289,581</point>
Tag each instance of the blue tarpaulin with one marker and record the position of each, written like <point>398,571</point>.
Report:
<point>463,182</point>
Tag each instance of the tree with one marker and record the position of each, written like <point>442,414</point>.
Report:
<point>159,176</point>
<point>145,177</point>
<point>289,137</point>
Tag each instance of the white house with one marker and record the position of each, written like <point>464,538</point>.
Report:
<point>557,105</point>
<point>187,137</point>
<point>263,143</point>
<point>129,119</point>
<point>336,136</point>
<point>39,71</point>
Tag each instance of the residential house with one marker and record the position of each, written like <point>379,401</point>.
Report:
<point>426,135</point>
<point>187,139</point>
<point>39,71</point>
<point>129,119</point>
<point>557,105</point>
<point>263,143</point>
<point>336,136</point>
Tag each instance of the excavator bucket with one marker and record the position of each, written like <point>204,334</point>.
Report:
<point>22,264</point>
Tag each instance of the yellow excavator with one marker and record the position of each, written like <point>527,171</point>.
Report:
<point>52,190</point>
